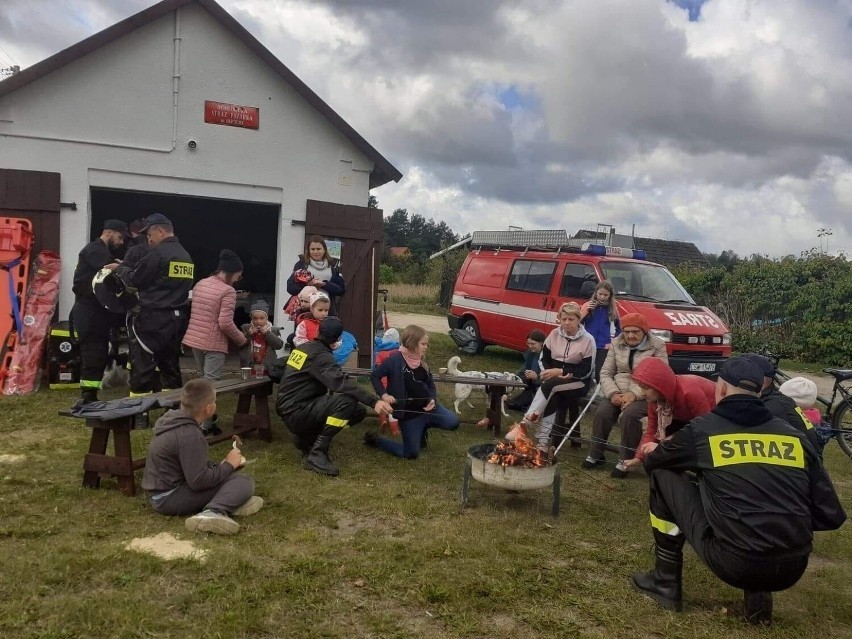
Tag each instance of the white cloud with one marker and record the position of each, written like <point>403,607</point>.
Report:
<point>729,131</point>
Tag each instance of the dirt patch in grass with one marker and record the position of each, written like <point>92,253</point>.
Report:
<point>12,459</point>
<point>168,547</point>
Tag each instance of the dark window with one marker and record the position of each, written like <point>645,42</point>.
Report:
<point>533,277</point>
<point>575,276</point>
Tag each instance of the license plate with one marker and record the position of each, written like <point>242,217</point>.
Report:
<point>702,368</point>
<point>65,377</point>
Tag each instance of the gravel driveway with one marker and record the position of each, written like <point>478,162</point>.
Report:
<point>438,324</point>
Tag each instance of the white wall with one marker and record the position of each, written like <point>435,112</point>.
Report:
<point>106,120</point>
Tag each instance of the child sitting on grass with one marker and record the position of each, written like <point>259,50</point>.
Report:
<point>308,328</point>
<point>179,478</point>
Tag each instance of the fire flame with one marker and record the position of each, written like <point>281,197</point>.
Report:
<point>521,452</point>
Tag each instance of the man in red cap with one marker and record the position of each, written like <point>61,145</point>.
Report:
<point>745,489</point>
<point>624,401</point>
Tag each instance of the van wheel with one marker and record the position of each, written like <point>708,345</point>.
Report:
<point>472,327</point>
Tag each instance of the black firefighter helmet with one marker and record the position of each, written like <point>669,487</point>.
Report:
<point>112,293</point>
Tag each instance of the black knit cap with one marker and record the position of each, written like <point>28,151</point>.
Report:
<point>330,330</point>
<point>742,373</point>
<point>115,225</point>
<point>229,262</point>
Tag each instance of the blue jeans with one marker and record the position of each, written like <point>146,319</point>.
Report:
<point>414,431</point>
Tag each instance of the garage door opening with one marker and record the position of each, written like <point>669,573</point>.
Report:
<point>205,226</point>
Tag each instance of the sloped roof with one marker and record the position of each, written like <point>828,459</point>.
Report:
<point>665,252</point>
<point>383,171</point>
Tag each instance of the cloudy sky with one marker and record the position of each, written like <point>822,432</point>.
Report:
<point>723,122</point>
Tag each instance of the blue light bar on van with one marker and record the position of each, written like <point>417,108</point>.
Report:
<point>613,251</point>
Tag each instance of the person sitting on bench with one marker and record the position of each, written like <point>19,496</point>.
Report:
<point>179,478</point>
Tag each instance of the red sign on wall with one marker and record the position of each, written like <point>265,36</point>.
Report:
<point>245,117</point>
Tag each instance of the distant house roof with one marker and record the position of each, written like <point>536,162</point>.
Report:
<point>399,251</point>
<point>665,252</point>
<point>383,171</point>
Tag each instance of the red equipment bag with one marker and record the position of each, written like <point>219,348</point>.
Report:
<point>24,373</point>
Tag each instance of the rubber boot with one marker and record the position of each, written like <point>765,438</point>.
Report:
<point>757,607</point>
<point>664,585</point>
<point>317,459</point>
<point>89,395</point>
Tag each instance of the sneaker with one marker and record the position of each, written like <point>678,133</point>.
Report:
<point>620,471</point>
<point>212,522</point>
<point>371,439</point>
<point>593,463</point>
<point>253,504</point>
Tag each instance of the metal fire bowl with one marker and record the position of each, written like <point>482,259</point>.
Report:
<point>508,477</point>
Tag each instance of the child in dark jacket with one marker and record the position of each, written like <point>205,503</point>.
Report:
<point>263,340</point>
<point>529,372</point>
<point>179,478</point>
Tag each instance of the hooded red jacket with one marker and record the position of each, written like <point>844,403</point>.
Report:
<point>690,396</point>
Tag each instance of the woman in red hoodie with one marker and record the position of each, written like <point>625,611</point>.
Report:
<point>673,401</point>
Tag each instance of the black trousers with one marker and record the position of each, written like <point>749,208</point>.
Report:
<point>155,351</point>
<point>336,411</point>
<point>91,326</point>
<point>677,511</point>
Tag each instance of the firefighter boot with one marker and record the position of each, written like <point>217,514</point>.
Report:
<point>664,584</point>
<point>317,459</point>
<point>89,395</point>
<point>757,606</point>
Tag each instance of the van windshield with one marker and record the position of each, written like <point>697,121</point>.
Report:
<point>642,281</point>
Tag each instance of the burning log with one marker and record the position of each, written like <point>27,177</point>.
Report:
<point>520,452</point>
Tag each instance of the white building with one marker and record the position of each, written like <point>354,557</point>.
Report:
<point>140,118</point>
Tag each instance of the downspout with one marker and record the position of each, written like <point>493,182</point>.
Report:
<point>176,79</point>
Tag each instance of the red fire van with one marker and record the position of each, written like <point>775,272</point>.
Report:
<point>515,281</point>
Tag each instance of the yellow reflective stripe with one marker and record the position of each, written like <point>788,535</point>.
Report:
<point>665,527</point>
<point>90,383</point>
<point>182,270</point>
<point>58,332</point>
<point>751,448</point>
<point>297,359</point>
<point>336,423</point>
<point>132,394</point>
<point>808,424</point>
<point>61,386</point>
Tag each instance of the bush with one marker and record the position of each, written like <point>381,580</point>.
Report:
<point>387,275</point>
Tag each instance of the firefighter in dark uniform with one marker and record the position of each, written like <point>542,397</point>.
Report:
<point>137,248</point>
<point>779,404</point>
<point>759,493</point>
<point>91,321</point>
<point>313,415</point>
<point>163,278</point>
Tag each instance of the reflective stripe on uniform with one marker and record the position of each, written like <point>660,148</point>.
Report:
<point>665,527</point>
<point>336,422</point>
<point>132,394</point>
<point>808,424</point>
<point>90,383</point>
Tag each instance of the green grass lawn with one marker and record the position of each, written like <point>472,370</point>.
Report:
<point>382,551</point>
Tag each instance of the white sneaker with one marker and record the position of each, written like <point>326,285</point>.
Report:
<point>252,505</point>
<point>212,522</point>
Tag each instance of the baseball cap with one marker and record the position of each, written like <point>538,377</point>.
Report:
<point>742,373</point>
<point>766,367</point>
<point>330,330</point>
<point>154,218</point>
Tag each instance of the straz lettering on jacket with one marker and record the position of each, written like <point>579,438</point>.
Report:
<point>182,270</point>
<point>751,448</point>
<point>297,360</point>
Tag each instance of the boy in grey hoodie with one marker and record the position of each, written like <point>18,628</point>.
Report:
<point>179,478</point>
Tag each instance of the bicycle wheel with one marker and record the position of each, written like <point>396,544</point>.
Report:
<point>842,423</point>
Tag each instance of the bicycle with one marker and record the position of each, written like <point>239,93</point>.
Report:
<point>839,415</point>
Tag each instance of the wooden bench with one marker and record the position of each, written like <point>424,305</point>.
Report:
<point>495,389</point>
<point>121,464</point>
